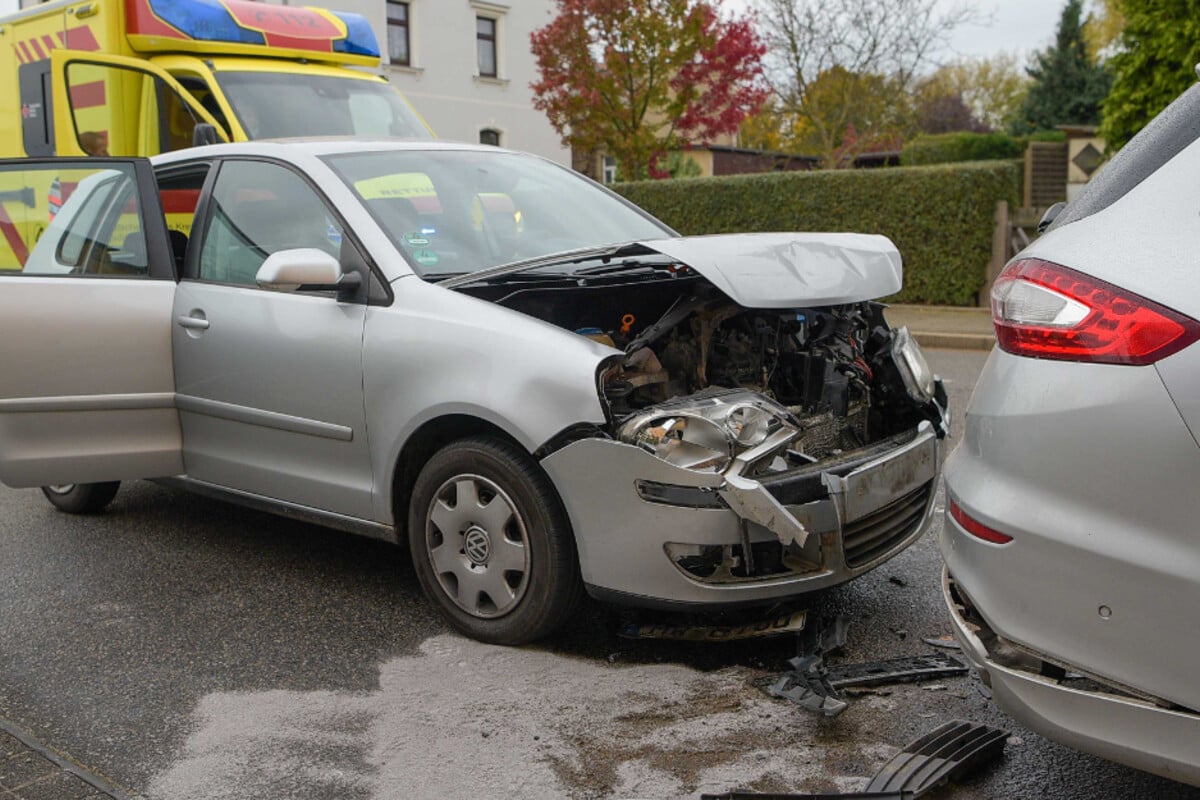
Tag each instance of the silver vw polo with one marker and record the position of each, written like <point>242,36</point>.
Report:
<point>536,385</point>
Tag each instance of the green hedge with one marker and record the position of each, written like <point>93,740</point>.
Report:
<point>949,148</point>
<point>941,218</point>
<point>946,148</point>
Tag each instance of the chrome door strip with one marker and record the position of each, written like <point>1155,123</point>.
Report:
<point>265,419</point>
<point>90,402</point>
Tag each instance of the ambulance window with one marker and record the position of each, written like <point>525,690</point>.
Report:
<point>203,94</point>
<point>104,97</point>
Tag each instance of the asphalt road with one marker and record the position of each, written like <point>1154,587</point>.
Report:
<point>183,648</point>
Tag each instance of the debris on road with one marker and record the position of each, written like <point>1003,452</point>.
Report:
<point>777,625</point>
<point>814,685</point>
<point>947,753</point>
<point>807,683</point>
<point>945,641</point>
<point>896,670</point>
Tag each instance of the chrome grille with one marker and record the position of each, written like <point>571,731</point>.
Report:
<point>869,537</point>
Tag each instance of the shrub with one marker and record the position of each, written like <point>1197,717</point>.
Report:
<point>946,148</point>
<point>941,218</point>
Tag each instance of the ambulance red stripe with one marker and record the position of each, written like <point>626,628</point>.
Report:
<point>87,95</point>
<point>79,38</point>
<point>13,237</point>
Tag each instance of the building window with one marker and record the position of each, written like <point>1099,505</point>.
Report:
<point>608,170</point>
<point>490,136</point>
<point>485,45</point>
<point>397,33</point>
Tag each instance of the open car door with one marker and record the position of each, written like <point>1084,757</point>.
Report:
<point>108,105</point>
<point>86,290</point>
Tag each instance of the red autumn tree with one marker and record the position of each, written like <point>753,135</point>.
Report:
<point>637,78</point>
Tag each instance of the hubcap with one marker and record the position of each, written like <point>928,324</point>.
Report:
<point>478,546</point>
<point>61,488</point>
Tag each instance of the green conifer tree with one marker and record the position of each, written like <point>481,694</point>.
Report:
<point>1068,86</point>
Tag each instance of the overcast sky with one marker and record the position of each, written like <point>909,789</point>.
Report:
<point>1017,25</point>
<point>1021,26</point>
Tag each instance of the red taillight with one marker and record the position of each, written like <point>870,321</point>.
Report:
<point>1044,310</point>
<point>977,528</point>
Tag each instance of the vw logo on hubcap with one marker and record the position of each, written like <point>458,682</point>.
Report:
<point>477,545</point>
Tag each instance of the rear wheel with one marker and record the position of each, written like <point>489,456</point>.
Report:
<point>81,498</point>
<point>491,543</point>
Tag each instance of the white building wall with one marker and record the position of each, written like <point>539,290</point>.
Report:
<point>443,82</point>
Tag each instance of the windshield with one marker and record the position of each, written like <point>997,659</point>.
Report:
<point>457,211</point>
<point>276,105</point>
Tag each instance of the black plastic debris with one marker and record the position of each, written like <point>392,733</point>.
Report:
<point>946,753</point>
<point>807,683</point>
<point>896,670</point>
<point>819,640</point>
<point>945,641</point>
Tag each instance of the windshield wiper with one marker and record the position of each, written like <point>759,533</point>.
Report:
<point>626,264</point>
<point>604,253</point>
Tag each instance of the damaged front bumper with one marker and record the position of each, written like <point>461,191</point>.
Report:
<point>653,534</point>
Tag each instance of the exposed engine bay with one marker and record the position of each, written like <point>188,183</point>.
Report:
<point>703,378</point>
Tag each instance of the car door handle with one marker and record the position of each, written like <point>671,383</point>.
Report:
<point>192,323</point>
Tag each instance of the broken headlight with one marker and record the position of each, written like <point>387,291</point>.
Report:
<point>914,369</point>
<point>706,433</point>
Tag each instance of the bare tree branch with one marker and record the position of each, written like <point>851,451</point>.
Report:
<point>824,54</point>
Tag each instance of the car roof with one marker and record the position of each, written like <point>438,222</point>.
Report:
<point>300,148</point>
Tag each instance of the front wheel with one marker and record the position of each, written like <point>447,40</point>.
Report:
<point>81,498</point>
<point>491,543</point>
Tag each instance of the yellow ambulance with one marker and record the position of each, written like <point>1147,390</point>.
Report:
<point>141,77</point>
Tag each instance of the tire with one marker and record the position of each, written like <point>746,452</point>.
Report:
<point>81,498</point>
<point>491,543</point>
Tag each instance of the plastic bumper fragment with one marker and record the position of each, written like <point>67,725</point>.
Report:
<point>948,752</point>
<point>896,670</point>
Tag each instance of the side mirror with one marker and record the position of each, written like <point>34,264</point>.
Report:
<point>306,269</point>
<point>1051,214</point>
<point>204,134</point>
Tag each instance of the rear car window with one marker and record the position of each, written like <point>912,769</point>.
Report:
<point>1156,144</point>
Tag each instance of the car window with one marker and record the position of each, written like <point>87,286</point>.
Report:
<point>82,222</point>
<point>1164,138</point>
<point>258,208</point>
<point>179,190</point>
<point>455,211</point>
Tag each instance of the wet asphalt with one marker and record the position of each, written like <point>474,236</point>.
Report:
<point>114,627</point>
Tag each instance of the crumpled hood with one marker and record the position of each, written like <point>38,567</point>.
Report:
<point>786,270</point>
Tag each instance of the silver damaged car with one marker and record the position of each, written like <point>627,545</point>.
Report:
<point>1073,561</point>
<point>535,386</point>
